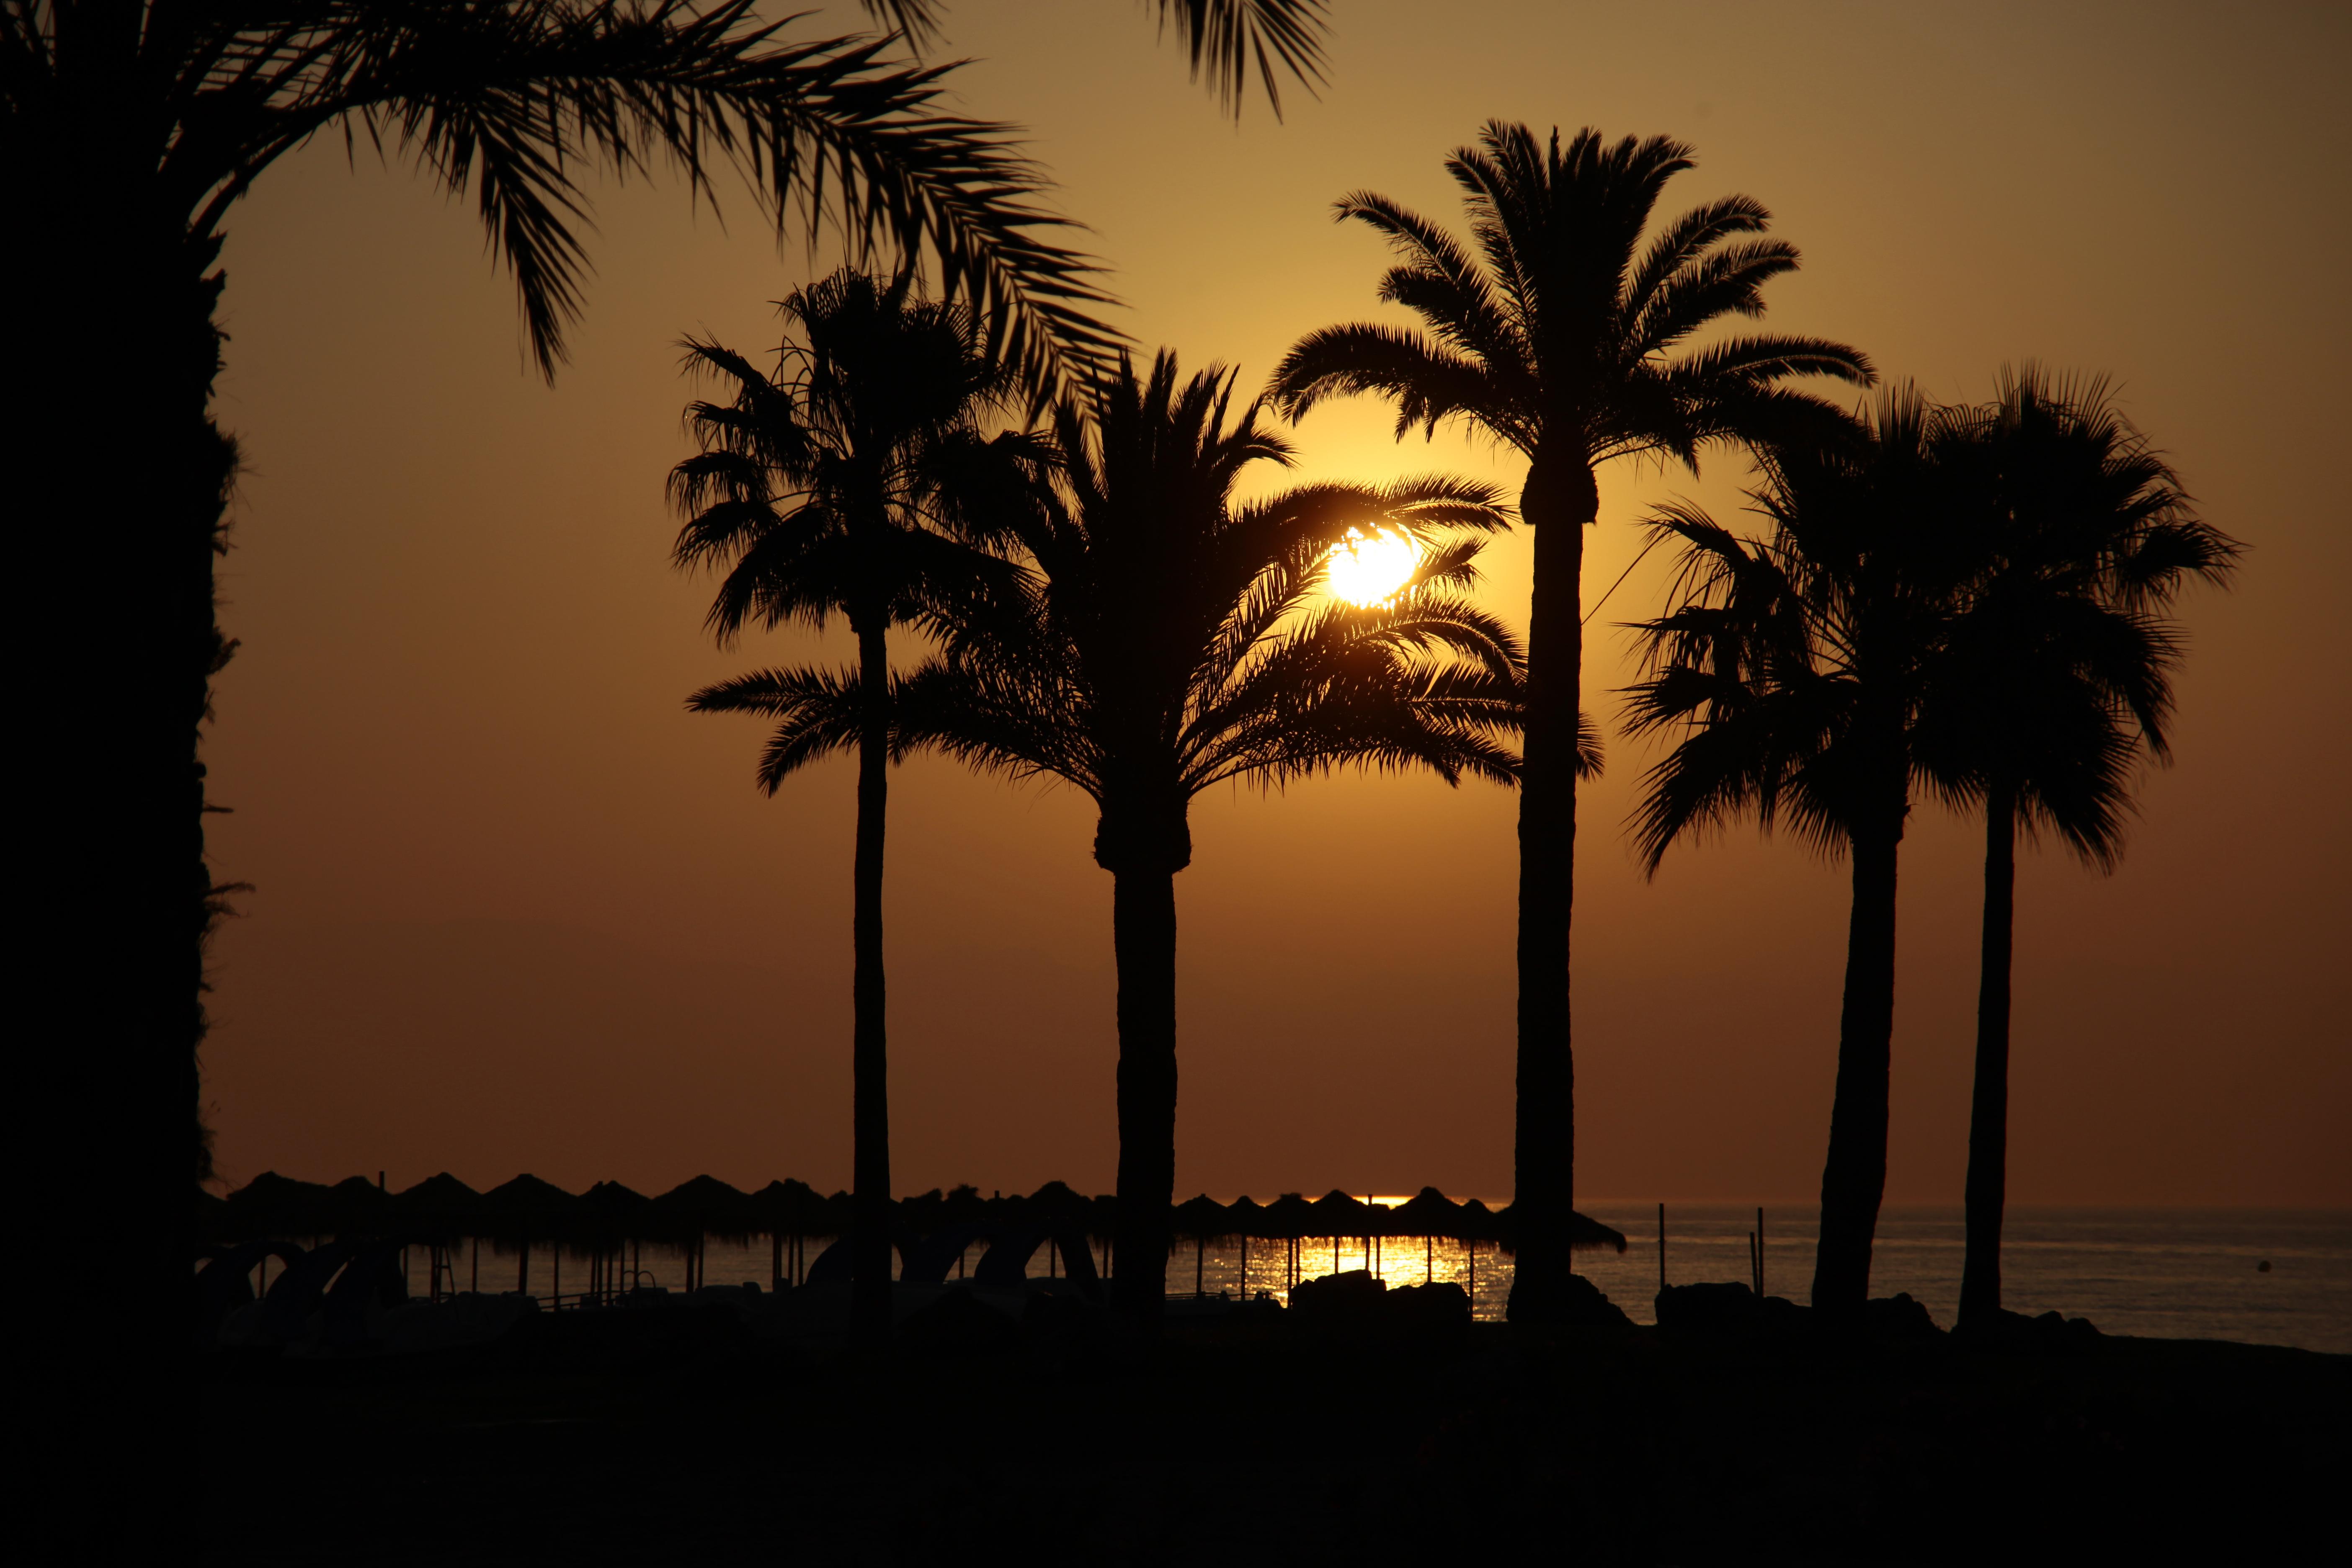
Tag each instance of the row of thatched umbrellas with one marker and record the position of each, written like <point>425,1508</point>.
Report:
<point>608,1219</point>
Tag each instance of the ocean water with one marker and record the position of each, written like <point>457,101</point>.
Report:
<point>2159,1273</point>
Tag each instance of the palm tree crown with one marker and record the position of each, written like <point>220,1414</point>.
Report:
<point>1795,664</point>
<point>2058,672</point>
<point>1556,337</point>
<point>824,488</point>
<point>1177,638</point>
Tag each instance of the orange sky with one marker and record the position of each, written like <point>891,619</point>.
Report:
<point>516,910</point>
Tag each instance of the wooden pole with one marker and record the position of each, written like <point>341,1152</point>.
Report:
<point>1754,1270</point>
<point>1759,1252</point>
<point>1662,1246</point>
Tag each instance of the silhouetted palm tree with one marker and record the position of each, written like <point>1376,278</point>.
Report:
<point>1565,337</point>
<point>128,132</point>
<point>1174,638</point>
<point>820,490</point>
<point>2054,677</point>
<point>1797,665</point>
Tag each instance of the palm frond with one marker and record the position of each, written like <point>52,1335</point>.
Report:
<point>510,100</point>
<point>1227,38</point>
<point>817,712</point>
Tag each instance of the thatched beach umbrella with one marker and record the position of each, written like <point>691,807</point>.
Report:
<point>1584,1235</point>
<point>1244,1218</point>
<point>525,1210</point>
<point>437,1211</point>
<point>357,1207</point>
<point>609,1218</point>
<point>1204,1219</point>
<point>1338,1215</point>
<point>279,1207</point>
<point>1289,1218</point>
<point>790,1212</point>
<point>696,1209</point>
<point>1427,1214</point>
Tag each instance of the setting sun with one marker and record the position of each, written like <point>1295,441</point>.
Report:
<point>1370,571</point>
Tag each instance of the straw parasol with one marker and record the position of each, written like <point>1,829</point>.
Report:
<point>609,1214</point>
<point>525,1210</point>
<point>357,1207</point>
<point>437,1210</point>
<point>701,1206</point>
<point>1204,1219</point>
<point>790,1208</point>
<point>1427,1213</point>
<point>1289,1217</point>
<point>1584,1234</point>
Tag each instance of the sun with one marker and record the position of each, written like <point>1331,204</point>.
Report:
<point>1369,570</point>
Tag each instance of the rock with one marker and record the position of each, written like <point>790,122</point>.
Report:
<point>1709,1306</point>
<point>2052,1333</point>
<point>1898,1320</point>
<point>1352,1296</point>
<point>1439,1310</point>
<point>1587,1307</point>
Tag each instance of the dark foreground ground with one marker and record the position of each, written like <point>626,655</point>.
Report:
<point>682,1436</point>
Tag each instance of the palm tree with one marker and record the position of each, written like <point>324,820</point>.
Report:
<point>128,130</point>
<point>1565,337</point>
<point>2054,679</point>
<point>820,490</point>
<point>1796,665</point>
<point>1173,638</point>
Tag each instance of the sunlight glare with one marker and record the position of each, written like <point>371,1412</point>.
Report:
<point>1369,570</point>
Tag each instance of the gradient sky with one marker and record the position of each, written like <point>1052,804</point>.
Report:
<point>516,909</point>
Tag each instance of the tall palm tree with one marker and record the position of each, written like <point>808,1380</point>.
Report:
<point>820,491</point>
<point>1561,334</point>
<point>1795,666</point>
<point>128,130</point>
<point>2055,678</point>
<point>1173,638</point>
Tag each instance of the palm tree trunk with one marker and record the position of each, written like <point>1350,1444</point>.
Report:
<point>1143,938</point>
<point>119,479</point>
<point>1558,504</point>
<point>1988,1107</point>
<point>1854,1178</point>
<point>870,1057</point>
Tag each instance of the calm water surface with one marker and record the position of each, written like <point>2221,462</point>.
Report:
<point>2166,1273</point>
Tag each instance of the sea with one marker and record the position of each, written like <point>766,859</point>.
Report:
<point>2155,1273</point>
